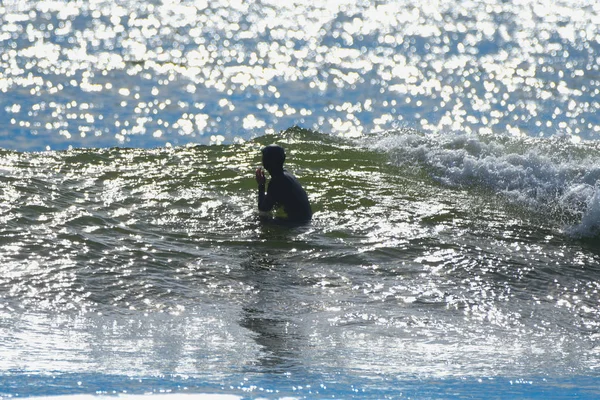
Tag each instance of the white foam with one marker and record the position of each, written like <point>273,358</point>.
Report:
<point>552,176</point>
<point>590,222</point>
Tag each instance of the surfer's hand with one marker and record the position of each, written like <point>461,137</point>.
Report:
<point>260,176</point>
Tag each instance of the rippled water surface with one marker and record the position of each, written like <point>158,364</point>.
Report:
<point>105,73</point>
<point>449,150</point>
<point>153,263</point>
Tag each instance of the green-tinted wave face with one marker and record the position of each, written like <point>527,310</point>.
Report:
<point>376,192</point>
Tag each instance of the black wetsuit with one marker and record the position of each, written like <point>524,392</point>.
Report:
<point>285,190</point>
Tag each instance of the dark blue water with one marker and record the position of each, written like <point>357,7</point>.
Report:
<point>337,387</point>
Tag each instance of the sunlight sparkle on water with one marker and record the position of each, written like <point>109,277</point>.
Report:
<point>158,71</point>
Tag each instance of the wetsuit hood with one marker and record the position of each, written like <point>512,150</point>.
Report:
<point>273,157</point>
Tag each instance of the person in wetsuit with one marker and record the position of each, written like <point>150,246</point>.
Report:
<point>284,189</point>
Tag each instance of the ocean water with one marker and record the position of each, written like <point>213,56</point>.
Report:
<point>450,152</point>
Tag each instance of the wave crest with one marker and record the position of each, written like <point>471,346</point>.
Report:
<point>552,176</point>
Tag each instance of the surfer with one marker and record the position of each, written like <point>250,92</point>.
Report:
<point>284,189</point>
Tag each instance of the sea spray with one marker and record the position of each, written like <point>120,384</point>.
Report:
<point>589,227</point>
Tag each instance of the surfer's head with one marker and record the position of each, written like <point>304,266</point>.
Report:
<point>273,157</point>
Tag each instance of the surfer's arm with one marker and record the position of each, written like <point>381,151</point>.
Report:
<point>265,202</point>
<point>261,180</point>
